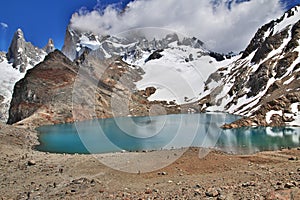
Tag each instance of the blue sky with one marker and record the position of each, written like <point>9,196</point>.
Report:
<point>41,20</point>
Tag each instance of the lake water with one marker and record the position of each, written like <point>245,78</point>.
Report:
<point>163,132</point>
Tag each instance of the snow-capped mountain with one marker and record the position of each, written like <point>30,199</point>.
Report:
<point>76,42</point>
<point>176,66</point>
<point>21,56</point>
<point>263,84</point>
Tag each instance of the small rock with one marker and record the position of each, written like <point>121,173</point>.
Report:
<point>279,183</point>
<point>79,181</point>
<point>295,183</point>
<point>101,190</point>
<point>162,173</point>
<point>197,192</point>
<point>298,170</point>
<point>156,190</point>
<point>293,158</point>
<point>248,184</point>
<point>212,192</point>
<point>289,185</point>
<point>31,162</point>
<point>148,191</point>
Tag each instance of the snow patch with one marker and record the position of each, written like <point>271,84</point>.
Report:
<point>8,77</point>
<point>296,114</point>
<point>289,80</point>
<point>270,114</point>
<point>91,44</point>
<point>175,75</point>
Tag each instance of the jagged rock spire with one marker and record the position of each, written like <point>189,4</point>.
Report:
<point>16,48</point>
<point>50,46</point>
<point>22,53</point>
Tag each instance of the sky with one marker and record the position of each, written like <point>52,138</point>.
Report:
<point>223,27</point>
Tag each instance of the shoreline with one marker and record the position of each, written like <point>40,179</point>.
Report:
<point>233,149</point>
<point>31,174</point>
<point>35,142</point>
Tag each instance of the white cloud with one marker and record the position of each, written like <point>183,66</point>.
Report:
<point>222,29</point>
<point>3,25</point>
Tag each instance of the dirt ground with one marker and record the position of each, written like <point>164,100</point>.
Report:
<point>29,174</point>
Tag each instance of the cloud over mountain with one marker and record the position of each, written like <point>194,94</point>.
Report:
<point>222,27</point>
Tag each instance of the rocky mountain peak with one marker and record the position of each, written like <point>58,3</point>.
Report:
<point>70,43</point>
<point>50,46</point>
<point>271,34</point>
<point>15,51</point>
<point>22,54</point>
<point>19,34</point>
<point>128,45</point>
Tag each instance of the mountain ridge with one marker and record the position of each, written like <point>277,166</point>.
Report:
<point>264,81</point>
<point>261,84</point>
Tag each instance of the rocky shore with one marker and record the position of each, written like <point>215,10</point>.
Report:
<point>29,174</point>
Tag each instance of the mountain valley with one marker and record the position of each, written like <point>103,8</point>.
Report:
<point>175,72</point>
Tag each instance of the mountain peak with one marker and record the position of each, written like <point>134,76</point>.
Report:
<point>50,46</point>
<point>19,34</point>
<point>22,53</point>
<point>70,43</point>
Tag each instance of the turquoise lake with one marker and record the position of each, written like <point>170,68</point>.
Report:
<point>163,132</point>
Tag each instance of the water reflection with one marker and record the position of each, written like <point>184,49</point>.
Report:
<point>164,132</point>
<point>251,140</point>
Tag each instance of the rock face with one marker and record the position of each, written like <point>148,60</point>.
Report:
<point>263,84</point>
<point>2,105</point>
<point>70,44</point>
<point>2,56</point>
<point>45,87</point>
<point>22,54</point>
